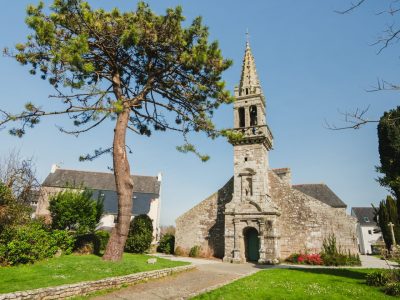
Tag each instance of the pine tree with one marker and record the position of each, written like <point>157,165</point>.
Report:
<point>140,70</point>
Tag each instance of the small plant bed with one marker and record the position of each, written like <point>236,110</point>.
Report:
<point>331,255</point>
<point>75,268</point>
<point>336,259</point>
<point>300,284</point>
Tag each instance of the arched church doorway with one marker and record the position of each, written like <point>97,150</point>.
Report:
<point>252,244</point>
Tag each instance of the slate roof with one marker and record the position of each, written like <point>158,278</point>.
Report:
<point>99,181</point>
<point>322,193</point>
<point>361,213</point>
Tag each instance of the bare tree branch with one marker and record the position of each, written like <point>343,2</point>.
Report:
<point>355,120</point>
<point>352,7</point>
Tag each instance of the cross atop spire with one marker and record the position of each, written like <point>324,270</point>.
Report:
<point>249,83</point>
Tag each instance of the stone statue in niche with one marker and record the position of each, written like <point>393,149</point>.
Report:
<point>247,186</point>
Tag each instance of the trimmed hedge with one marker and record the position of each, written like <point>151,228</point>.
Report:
<point>140,234</point>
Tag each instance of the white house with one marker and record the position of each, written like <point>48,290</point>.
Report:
<point>146,194</point>
<point>368,232</point>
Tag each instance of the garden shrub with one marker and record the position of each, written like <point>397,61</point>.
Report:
<point>103,237</point>
<point>167,244</point>
<point>92,243</point>
<point>64,240</point>
<point>12,213</point>
<point>195,251</point>
<point>140,234</point>
<point>378,278</point>
<point>332,255</point>
<point>32,242</point>
<point>310,259</point>
<point>305,259</point>
<point>341,259</point>
<point>293,258</point>
<point>75,210</point>
<point>392,288</point>
<point>180,252</point>
<point>87,244</point>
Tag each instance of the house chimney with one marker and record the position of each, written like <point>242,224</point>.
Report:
<point>54,168</point>
<point>159,177</point>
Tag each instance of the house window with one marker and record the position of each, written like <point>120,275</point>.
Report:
<point>369,231</point>
<point>366,219</point>
<point>241,117</point>
<point>253,115</point>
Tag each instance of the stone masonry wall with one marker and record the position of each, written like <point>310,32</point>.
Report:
<point>305,221</point>
<point>84,288</point>
<point>46,193</point>
<point>204,224</point>
<point>303,224</point>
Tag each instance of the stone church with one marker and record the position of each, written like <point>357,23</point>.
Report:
<point>258,215</point>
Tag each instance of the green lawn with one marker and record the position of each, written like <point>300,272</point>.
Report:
<point>300,284</point>
<point>74,268</point>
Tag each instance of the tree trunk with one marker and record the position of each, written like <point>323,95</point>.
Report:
<point>123,182</point>
<point>124,185</point>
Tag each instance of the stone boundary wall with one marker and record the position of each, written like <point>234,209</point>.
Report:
<point>84,288</point>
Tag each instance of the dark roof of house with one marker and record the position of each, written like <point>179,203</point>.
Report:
<point>364,215</point>
<point>322,193</point>
<point>99,181</point>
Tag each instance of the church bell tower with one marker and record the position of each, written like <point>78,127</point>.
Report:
<point>250,217</point>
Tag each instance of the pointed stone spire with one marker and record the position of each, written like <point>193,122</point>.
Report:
<point>249,83</point>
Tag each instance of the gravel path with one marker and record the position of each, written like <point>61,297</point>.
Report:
<point>209,274</point>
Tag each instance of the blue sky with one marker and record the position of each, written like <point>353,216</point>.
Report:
<point>312,63</point>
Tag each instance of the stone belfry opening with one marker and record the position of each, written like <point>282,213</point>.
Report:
<point>251,209</point>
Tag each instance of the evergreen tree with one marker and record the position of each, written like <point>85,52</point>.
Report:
<point>75,210</point>
<point>389,151</point>
<point>386,213</point>
<point>140,234</point>
<point>141,70</point>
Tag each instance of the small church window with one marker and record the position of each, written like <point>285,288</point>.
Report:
<point>247,91</point>
<point>253,115</point>
<point>366,219</point>
<point>241,117</point>
<point>245,159</point>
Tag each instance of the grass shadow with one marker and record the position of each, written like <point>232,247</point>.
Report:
<point>347,273</point>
